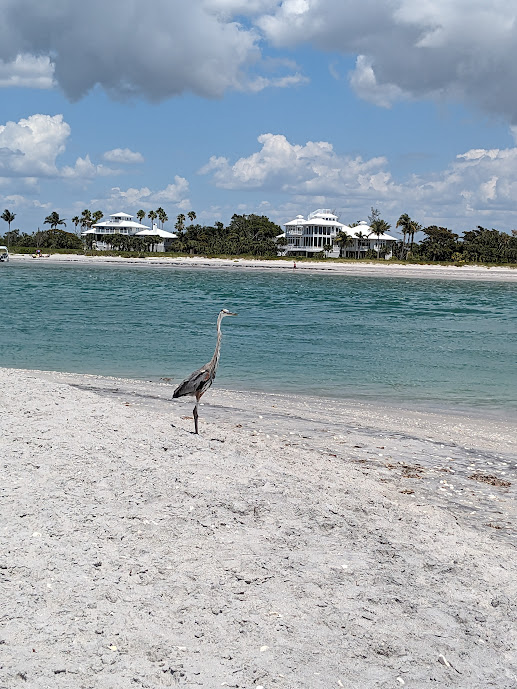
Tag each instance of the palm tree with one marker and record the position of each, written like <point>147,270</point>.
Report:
<point>8,217</point>
<point>191,216</point>
<point>140,215</point>
<point>415,228</point>
<point>54,220</point>
<point>86,219</point>
<point>97,217</point>
<point>159,214</point>
<point>180,223</point>
<point>378,228</point>
<point>343,239</point>
<point>77,221</point>
<point>405,223</point>
<point>409,229</point>
<point>361,236</point>
<point>152,215</point>
<point>162,215</point>
<point>327,248</point>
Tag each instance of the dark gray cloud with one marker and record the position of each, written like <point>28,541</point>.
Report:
<point>462,50</point>
<point>439,49</point>
<point>156,48</point>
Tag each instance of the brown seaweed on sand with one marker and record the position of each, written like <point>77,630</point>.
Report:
<point>492,480</point>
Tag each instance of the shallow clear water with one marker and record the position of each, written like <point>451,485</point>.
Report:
<point>431,343</point>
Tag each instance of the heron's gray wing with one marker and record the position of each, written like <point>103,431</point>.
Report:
<point>193,383</point>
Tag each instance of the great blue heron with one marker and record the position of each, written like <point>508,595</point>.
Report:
<point>199,381</point>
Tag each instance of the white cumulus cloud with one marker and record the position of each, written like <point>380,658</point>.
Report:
<point>17,200</point>
<point>175,193</point>
<point>311,168</point>
<point>364,82</point>
<point>27,71</point>
<point>85,170</point>
<point>477,186</point>
<point>123,155</point>
<point>30,148</point>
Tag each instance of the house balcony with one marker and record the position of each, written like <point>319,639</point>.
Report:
<point>295,231</point>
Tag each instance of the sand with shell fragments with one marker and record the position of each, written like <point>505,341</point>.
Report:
<point>294,543</point>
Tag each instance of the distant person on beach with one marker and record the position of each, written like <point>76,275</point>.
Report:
<point>294,264</point>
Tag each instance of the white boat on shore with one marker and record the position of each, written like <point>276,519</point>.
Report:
<point>4,254</point>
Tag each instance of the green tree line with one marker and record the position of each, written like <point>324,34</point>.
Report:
<point>256,235</point>
<point>476,246</point>
<point>245,235</point>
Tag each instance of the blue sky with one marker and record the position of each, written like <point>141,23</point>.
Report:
<point>260,106</point>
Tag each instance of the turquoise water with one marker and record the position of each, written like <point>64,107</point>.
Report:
<point>433,343</point>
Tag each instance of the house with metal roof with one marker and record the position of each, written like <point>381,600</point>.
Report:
<point>123,223</point>
<point>317,233</point>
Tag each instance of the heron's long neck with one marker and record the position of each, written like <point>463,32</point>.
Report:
<point>215,358</point>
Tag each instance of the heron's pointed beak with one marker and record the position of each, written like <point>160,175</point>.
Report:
<point>233,314</point>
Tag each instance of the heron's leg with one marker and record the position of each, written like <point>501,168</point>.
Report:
<point>196,417</point>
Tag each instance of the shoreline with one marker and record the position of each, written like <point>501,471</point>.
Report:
<point>320,421</point>
<point>393,408</point>
<point>293,543</point>
<point>495,273</point>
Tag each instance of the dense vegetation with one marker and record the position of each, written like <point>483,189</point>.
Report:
<point>43,239</point>
<point>256,235</point>
<point>480,246</point>
<point>253,235</point>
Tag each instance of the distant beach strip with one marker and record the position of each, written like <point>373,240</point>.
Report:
<point>449,272</point>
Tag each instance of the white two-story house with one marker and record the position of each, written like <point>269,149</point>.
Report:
<point>317,233</point>
<point>122,223</point>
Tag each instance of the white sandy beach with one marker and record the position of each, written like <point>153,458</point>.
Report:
<point>294,543</point>
<point>362,268</point>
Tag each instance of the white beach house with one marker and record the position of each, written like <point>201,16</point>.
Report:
<point>311,236</point>
<point>122,223</point>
